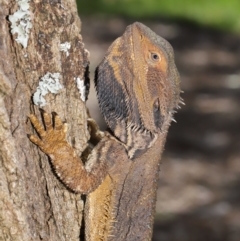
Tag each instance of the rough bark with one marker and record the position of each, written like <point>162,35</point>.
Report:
<point>34,205</point>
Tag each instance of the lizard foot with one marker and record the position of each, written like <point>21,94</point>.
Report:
<point>50,137</point>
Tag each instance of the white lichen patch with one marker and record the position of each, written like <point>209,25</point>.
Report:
<point>50,82</point>
<point>21,22</point>
<point>65,47</point>
<point>81,88</point>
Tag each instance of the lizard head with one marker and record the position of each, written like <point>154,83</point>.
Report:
<point>156,85</point>
<point>138,87</point>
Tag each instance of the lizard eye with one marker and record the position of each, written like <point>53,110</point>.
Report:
<point>155,57</point>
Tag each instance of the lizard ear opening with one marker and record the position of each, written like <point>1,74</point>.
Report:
<point>157,116</point>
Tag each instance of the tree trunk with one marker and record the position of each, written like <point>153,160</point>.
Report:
<point>39,39</point>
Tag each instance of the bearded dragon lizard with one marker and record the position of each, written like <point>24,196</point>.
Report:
<point>138,91</point>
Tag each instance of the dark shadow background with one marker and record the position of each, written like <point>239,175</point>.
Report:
<point>199,186</point>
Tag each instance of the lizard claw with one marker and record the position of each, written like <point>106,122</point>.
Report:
<point>58,125</point>
<point>47,120</point>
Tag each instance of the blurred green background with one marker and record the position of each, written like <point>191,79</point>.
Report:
<point>219,14</point>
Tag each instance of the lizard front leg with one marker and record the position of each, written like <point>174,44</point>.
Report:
<point>67,165</point>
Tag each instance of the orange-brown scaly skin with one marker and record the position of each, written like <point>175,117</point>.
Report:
<point>138,89</point>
